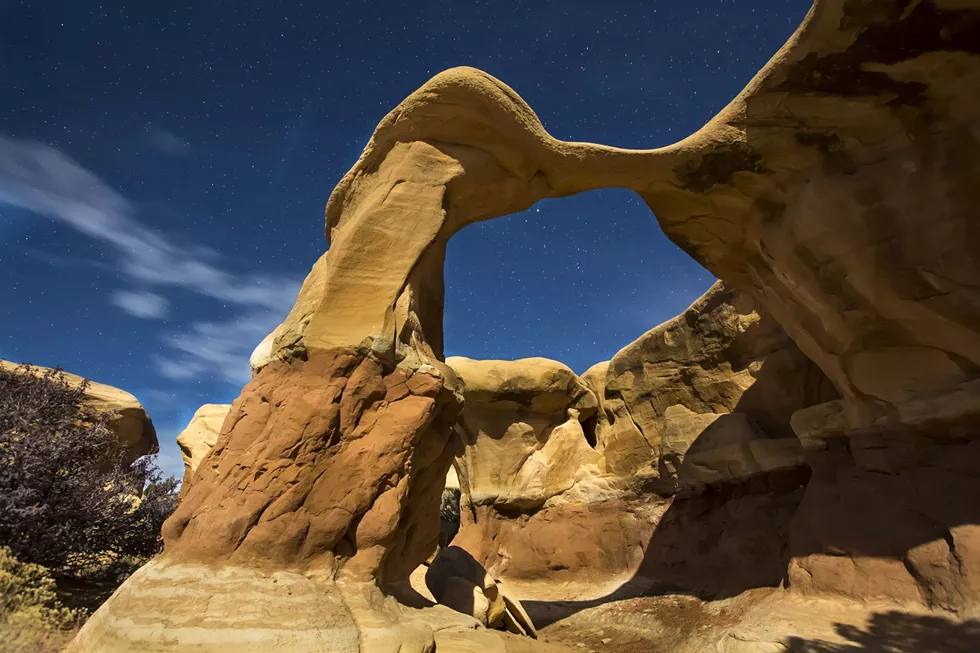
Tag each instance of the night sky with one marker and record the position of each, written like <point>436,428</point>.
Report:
<point>164,168</point>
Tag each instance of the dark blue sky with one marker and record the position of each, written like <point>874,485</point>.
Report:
<point>164,168</point>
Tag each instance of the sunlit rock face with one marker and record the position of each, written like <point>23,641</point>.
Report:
<point>198,438</point>
<point>335,461</point>
<point>521,431</point>
<point>838,190</point>
<point>568,477</point>
<point>706,397</point>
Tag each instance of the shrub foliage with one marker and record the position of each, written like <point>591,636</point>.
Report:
<point>29,597</point>
<point>68,499</point>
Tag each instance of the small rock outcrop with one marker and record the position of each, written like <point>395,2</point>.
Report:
<point>458,581</point>
<point>199,437</point>
<point>128,419</point>
<point>521,430</point>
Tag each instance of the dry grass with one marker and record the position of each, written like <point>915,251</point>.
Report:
<point>32,618</point>
<point>30,638</point>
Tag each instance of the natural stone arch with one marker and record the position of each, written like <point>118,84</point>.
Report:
<point>774,194</point>
<point>837,187</point>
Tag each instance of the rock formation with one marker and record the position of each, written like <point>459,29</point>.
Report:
<point>199,437</point>
<point>837,189</point>
<point>129,421</point>
<point>521,430</point>
<point>460,582</point>
<point>554,488</point>
<point>706,397</point>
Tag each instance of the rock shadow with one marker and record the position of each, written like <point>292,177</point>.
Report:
<point>714,544</point>
<point>897,632</point>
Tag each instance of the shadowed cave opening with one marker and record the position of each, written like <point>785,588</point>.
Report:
<point>573,279</point>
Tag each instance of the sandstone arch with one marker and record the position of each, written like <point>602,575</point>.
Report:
<point>838,188</point>
<point>775,194</point>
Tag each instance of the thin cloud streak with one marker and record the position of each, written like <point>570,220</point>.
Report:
<point>45,181</point>
<point>167,142</point>
<point>219,348</point>
<point>40,179</point>
<point>146,305</point>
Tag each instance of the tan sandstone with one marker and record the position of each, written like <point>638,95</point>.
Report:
<point>128,419</point>
<point>706,397</point>
<point>199,437</point>
<point>554,489</point>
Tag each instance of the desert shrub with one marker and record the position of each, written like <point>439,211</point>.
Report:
<point>449,508</point>
<point>32,619</point>
<point>28,596</point>
<point>68,500</point>
<point>448,516</point>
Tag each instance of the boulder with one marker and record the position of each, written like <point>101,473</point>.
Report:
<point>521,430</point>
<point>198,437</point>
<point>128,419</point>
<point>458,581</point>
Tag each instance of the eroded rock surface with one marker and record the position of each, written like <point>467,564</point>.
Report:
<point>706,397</point>
<point>129,421</point>
<point>458,581</point>
<point>691,446</point>
<point>521,430</point>
<point>337,461</point>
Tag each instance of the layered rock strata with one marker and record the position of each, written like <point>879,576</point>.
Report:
<point>683,437</point>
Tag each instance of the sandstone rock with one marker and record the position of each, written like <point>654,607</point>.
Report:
<point>332,456</point>
<point>837,188</point>
<point>706,397</point>
<point>452,479</point>
<point>262,354</point>
<point>197,439</point>
<point>521,430</point>
<point>463,596</point>
<point>533,495</point>
<point>516,618</point>
<point>458,581</point>
<point>128,421</point>
<point>245,609</point>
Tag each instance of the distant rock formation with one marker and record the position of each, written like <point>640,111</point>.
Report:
<point>130,423</point>
<point>199,437</point>
<point>553,487</point>
<point>838,190</point>
<point>521,430</point>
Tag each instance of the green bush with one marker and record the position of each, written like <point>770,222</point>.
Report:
<point>29,598</point>
<point>449,506</point>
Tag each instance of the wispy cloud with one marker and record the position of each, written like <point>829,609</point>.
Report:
<point>45,181</point>
<point>219,348</point>
<point>146,304</point>
<point>167,142</point>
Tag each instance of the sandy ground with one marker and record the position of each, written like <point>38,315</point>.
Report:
<point>633,617</point>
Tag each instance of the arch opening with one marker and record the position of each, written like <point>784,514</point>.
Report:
<point>572,279</point>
